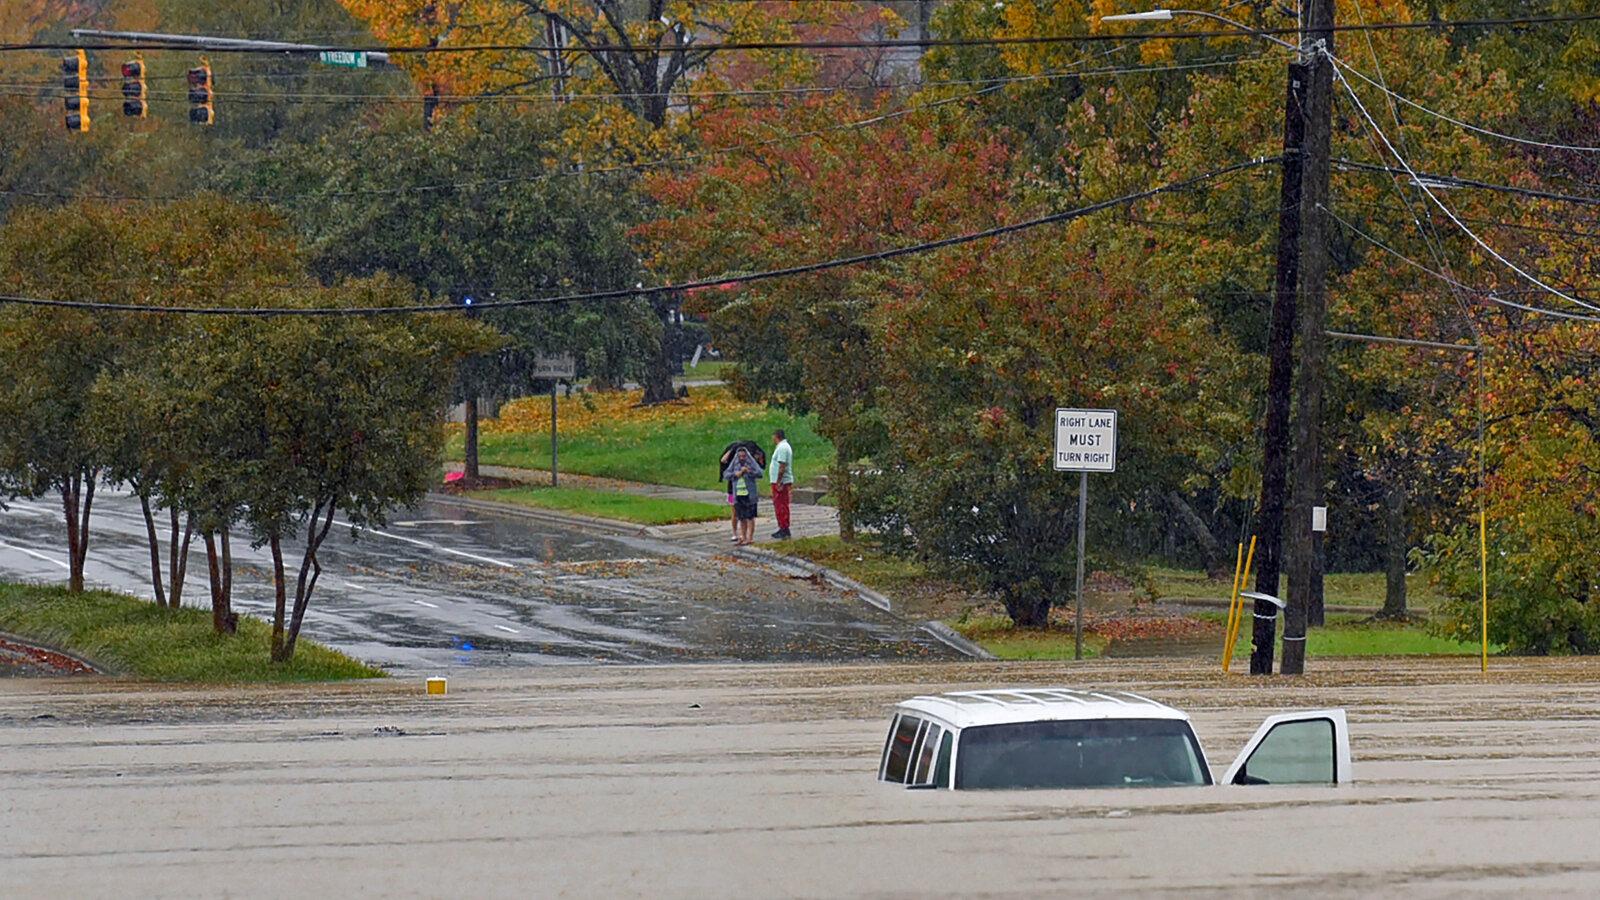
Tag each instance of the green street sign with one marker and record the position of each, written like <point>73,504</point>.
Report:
<point>350,59</point>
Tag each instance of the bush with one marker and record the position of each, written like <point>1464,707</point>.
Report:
<point>1542,597</point>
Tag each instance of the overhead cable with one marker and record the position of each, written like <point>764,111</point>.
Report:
<point>726,280</point>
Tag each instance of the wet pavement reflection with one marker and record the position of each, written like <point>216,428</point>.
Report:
<point>444,585</point>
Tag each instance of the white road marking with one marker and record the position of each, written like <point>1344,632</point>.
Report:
<point>415,522</point>
<point>36,554</point>
<point>432,546</point>
<point>425,603</point>
<point>511,630</point>
<point>31,509</point>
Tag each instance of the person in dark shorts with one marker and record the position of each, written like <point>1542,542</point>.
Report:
<point>743,476</point>
<point>726,460</point>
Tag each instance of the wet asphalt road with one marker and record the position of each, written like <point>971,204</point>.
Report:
<point>445,585</point>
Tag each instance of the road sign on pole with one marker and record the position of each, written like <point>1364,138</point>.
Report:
<point>349,59</point>
<point>554,366</point>
<point>1086,441</point>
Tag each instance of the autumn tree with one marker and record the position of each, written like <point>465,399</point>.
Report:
<point>996,337</point>
<point>805,343</point>
<point>322,417</point>
<point>622,62</point>
<point>521,225</point>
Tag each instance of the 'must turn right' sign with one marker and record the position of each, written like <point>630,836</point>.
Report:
<point>1086,440</point>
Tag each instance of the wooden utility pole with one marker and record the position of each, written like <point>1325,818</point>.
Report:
<point>1280,361</point>
<point>1305,556</point>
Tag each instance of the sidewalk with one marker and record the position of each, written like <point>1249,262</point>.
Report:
<point>807,520</point>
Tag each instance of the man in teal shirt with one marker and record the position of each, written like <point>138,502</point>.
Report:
<point>781,471</point>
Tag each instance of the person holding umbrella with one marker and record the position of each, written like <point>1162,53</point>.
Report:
<point>743,476</point>
<point>723,463</point>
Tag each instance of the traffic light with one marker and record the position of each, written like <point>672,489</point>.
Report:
<point>201,111</point>
<point>75,78</point>
<point>133,90</point>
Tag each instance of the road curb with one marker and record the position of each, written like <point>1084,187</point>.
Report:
<point>956,639</point>
<point>939,630</point>
<point>35,643</point>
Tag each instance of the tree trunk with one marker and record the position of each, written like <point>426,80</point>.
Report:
<point>310,571</point>
<point>280,599</point>
<point>658,377</point>
<point>844,496</point>
<point>77,500</point>
<point>1395,547</point>
<point>1210,548</point>
<point>155,547</point>
<point>178,560</point>
<point>220,568</point>
<point>1031,611</point>
<point>470,468</point>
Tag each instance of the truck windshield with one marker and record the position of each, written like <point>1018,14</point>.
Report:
<point>1080,754</point>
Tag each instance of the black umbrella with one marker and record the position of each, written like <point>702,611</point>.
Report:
<point>733,448</point>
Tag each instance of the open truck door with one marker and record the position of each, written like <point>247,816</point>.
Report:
<point>1296,748</point>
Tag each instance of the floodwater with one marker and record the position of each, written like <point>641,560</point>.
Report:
<point>453,586</point>
<point>738,781</point>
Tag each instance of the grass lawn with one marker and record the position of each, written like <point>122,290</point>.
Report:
<point>708,370</point>
<point>1338,588</point>
<point>1356,636</point>
<point>134,637</point>
<point>916,592</point>
<point>608,504</point>
<point>919,594</point>
<point>609,436</point>
<point>997,635</point>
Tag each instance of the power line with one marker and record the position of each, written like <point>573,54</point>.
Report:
<point>887,44</point>
<point>1530,277</point>
<point>1491,296</point>
<point>1422,179</point>
<point>1404,342</point>
<point>582,169</point>
<point>766,275</point>
<point>1457,122</point>
<point>49,87</point>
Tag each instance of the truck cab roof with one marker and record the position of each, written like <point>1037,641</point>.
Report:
<point>966,709</point>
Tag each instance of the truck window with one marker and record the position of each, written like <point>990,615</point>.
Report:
<point>941,768</point>
<point>930,745</point>
<point>1292,753</point>
<point>1089,753</point>
<point>897,750</point>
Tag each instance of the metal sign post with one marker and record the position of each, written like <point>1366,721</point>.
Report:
<point>1086,441</point>
<point>554,368</point>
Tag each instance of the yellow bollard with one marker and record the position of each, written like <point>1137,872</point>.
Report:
<point>1238,605</point>
<point>437,686</point>
<point>1238,566</point>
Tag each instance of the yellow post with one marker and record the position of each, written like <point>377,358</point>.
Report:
<point>1483,576</point>
<point>1238,566</point>
<point>1238,603</point>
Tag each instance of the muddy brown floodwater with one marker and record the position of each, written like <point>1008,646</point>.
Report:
<point>740,781</point>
